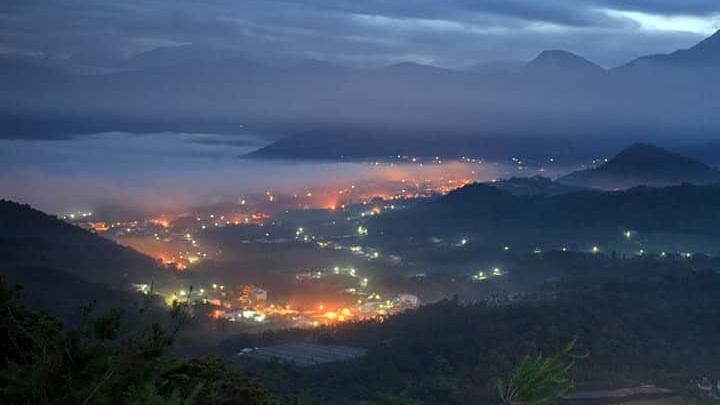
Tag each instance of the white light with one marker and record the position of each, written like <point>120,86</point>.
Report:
<point>670,23</point>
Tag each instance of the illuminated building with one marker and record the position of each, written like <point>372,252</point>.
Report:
<point>259,294</point>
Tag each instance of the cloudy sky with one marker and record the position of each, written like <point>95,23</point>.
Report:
<point>452,33</point>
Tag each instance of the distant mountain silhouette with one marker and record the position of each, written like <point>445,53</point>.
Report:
<point>558,93</point>
<point>414,68</point>
<point>362,142</point>
<point>562,63</point>
<point>503,66</point>
<point>408,77</point>
<point>705,54</point>
<point>174,55</point>
<point>644,164</point>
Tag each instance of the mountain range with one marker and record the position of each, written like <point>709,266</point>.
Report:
<point>557,93</point>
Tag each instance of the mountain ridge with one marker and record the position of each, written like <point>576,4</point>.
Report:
<point>490,213</point>
<point>704,54</point>
<point>33,239</point>
<point>541,97</point>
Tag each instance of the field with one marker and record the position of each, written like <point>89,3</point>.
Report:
<point>305,354</point>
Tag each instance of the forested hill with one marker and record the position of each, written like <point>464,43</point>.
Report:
<point>683,208</point>
<point>31,238</point>
<point>644,164</point>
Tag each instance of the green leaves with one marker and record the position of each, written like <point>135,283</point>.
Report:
<point>540,380</point>
<point>100,363</point>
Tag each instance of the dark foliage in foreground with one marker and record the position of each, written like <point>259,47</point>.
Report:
<point>540,380</point>
<point>101,363</point>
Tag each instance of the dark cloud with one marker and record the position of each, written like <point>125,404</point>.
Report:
<point>452,32</point>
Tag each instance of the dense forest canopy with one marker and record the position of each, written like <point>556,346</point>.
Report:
<point>102,362</point>
<point>477,207</point>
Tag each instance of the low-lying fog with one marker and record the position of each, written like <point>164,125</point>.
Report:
<point>157,172</point>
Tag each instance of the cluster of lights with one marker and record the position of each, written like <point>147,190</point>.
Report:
<point>77,215</point>
<point>482,275</point>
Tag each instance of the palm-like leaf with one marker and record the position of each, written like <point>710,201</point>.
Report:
<point>540,380</point>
